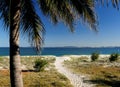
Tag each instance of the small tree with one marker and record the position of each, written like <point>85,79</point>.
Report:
<point>113,57</point>
<point>94,56</point>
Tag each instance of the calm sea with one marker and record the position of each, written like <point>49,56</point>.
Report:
<point>59,51</point>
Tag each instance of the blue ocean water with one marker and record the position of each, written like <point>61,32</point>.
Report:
<point>59,51</point>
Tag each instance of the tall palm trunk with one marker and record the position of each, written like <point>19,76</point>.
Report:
<point>15,65</point>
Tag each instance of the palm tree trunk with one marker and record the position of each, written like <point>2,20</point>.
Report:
<point>15,64</point>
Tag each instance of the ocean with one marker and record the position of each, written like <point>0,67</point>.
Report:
<point>60,51</point>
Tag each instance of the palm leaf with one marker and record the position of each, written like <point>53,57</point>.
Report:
<point>85,10</point>
<point>115,3</point>
<point>58,10</point>
<point>31,24</point>
<point>4,12</point>
<point>69,10</point>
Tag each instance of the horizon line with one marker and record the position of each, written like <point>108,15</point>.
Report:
<point>69,46</point>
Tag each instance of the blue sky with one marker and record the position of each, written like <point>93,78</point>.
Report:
<point>59,35</point>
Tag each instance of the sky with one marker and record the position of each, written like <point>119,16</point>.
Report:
<point>59,35</point>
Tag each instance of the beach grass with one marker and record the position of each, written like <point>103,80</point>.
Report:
<point>46,78</point>
<point>49,78</point>
<point>100,73</point>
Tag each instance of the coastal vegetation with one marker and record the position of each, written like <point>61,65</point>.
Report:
<point>40,64</point>
<point>49,77</point>
<point>101,73</point>
<point>114,57</point>
<point>94,56</point>
<point>21,16</point>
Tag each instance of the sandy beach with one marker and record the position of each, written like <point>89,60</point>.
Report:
<point>77,80</point>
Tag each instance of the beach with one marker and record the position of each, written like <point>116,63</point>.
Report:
<point>64,57</point>
<point>76,79</point>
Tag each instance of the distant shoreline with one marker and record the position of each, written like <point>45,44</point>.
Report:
<point>61,51</point>
<point>101,55</point>
<point>73,47</point>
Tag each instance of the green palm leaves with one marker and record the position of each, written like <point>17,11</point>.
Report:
<point>31,23</point>
<point>66,11</point>
<point>69,10</point>
<point>4,11</point>
<point>58,10</point>
<point>85,10</point>
<point>115,3</point>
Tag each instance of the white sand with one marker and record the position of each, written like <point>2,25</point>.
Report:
<point>76,80</point>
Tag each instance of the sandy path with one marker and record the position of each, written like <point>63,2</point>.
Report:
<point>76,80</point>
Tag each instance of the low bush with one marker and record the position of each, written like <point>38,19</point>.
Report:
<point>40,64</point>
<point>94,56</point>
<point>113,57</point>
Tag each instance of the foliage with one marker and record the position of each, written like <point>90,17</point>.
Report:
<point>98,73</point>
<point>37,79</point>
<point>40,64</point>
<point>57,10</point>
<point>114,57</point>
<point>94,56</point>
<point>115,3</point>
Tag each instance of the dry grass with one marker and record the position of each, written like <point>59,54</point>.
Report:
<point>103,74</point>
<point>46,78</point>
<point>4,78</point>
<point>37,79</point>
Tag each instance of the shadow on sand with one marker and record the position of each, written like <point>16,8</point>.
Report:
<point>112,82</point>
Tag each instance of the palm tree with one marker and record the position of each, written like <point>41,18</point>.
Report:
<point>15,13</point>
<point>21,16</point>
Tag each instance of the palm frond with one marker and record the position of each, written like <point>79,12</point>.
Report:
<point>69,10</point>
<point>115,3</point>
<point>58,10</point>
<point>4,12</point>
<point>85,10</point>
<point>31,24</point>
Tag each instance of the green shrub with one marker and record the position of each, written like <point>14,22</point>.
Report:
<point>40,64</point>
<point>94,56</point>
<point>113,57</point>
